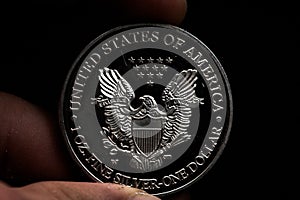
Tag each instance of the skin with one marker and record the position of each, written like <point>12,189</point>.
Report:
<point>28,135</point>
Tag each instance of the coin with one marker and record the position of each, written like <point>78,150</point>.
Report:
<point>148,106</point>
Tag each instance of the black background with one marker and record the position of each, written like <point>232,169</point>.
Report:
<point>257,43</point>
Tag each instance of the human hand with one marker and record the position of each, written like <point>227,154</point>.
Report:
<point>31,150</point>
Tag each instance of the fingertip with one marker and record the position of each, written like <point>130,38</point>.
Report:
<point>83,191</point>
<point>162,11</point>
<point>30,145</point>
<point>130,192</point>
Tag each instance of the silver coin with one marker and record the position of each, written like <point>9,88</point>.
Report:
<point>148,106</point>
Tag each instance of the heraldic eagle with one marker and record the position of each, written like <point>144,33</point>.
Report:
<point>115,99</point>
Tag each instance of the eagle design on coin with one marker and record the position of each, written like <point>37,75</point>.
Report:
<point>146,129</point>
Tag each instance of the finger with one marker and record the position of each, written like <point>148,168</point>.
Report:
<point>184,195</point>
<point>166,11</point>
<point>76,191</point>
<point>31,148</point>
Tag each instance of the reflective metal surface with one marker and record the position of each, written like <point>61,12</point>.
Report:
<point>147,106</point>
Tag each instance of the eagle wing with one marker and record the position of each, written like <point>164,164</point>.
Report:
<point>116,94</point>
<point>179,96</point>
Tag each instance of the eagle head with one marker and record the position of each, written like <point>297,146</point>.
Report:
<point>149,101</point>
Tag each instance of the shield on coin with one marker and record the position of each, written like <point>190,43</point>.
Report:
<point>147,134</point>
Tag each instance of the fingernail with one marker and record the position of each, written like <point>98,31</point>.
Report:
<point>143,196</point>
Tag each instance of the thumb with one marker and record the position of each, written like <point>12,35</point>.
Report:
<point>74,191</point>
